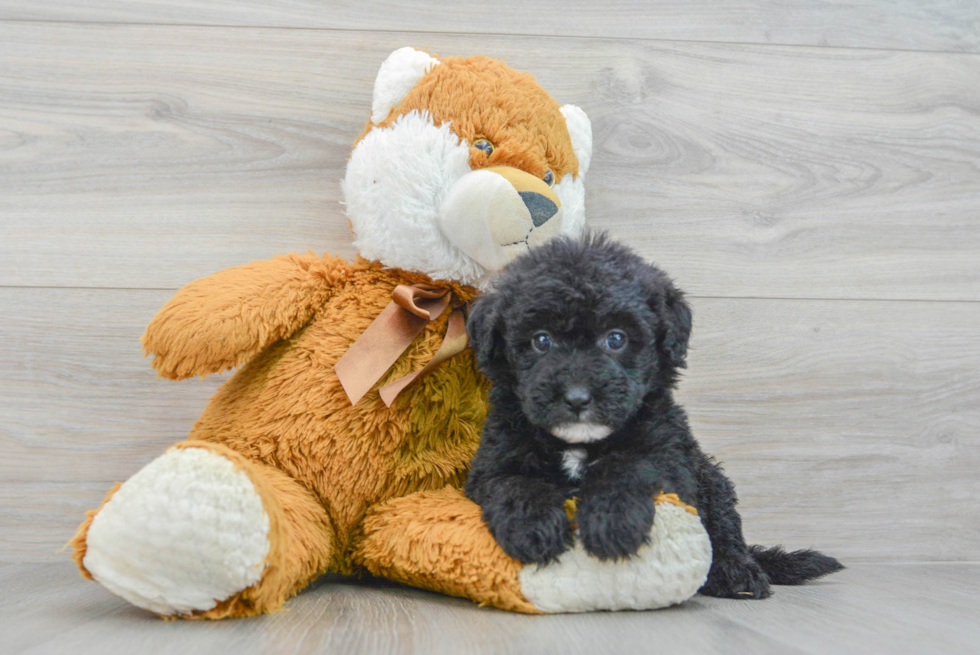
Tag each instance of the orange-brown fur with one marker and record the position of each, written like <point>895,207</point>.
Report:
<point>320,465</point>
<point>287,408</point>
<point>77,543</point>
<point>523,122</point>
<point>437,540</point>
<point>301,538</point>
<point>317,462</point>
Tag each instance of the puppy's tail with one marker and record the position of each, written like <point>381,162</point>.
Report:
<point>793,568</point>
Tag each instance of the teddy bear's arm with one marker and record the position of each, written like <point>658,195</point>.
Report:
<point>222,320</point>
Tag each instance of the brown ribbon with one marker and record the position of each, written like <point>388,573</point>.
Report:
<point>390,335</point>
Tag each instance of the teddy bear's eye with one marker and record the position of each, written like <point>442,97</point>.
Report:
<point>484,145</point>
<point>615,340</point>
<point>541,342</point>
<point>549,178</point>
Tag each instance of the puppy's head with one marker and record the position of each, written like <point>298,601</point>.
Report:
<point>581,332</point>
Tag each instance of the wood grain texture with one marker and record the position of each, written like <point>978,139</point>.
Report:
<point>850,426</point>
<point>886,609</point>
<point>80,400</point>
<point>948,25</point>
<point>142,156</point>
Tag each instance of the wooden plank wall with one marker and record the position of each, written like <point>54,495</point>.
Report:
<point>808,171</point>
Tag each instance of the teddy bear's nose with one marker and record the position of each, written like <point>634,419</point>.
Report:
<point>541,201</point>
<point>541,208</point>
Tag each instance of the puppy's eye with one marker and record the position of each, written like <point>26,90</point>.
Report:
<point>541,342</point>
<point>614,340</point>
<point>549,178</point>
<point>485,146</point>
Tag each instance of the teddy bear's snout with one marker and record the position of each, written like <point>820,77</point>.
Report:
<point>541,208</point>
<point>494,214</point>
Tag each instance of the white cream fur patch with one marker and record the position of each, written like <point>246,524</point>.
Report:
<point>581,432</point>
<point>398,75</point>
<point>571,191</point>
<point>397,178</point>
<point>466,216</point>
<point>580,130</point>
<point>668,571</point>
<point>184,533</point>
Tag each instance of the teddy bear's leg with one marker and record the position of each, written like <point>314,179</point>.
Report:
<point>437,540</point>
<point>205,532</point>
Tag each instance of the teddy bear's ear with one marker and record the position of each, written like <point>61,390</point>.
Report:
<point>580,129</point>
<point>398,74</point>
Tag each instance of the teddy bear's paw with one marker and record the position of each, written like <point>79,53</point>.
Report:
<point>666,571</point>
<point>186,532</point>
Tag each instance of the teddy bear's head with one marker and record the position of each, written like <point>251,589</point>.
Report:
<point>465,164</point>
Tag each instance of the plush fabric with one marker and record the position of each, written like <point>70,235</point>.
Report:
<point>282,478</point>
<point>187,550</point>
<point>404,166</point>
<point>437,540</point>
<point>667,571</point>
<point>524,123</point>
<point>285,419</point>
<point>397,179</point>
<point>396,77</point>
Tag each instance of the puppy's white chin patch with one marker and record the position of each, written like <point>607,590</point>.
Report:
<point>581,432</point>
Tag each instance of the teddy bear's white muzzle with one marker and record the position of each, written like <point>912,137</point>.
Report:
<point>495,214</point>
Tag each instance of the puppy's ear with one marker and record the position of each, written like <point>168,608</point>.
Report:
<point>484,327</point>
<point>676,327</point>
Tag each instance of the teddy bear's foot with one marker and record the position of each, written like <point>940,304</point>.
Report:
<point>202,531</point>
<point>183,534</point>
<point>666,571</point>
<point>438,540</point>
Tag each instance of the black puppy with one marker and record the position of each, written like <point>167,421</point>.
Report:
<point>582,341</point>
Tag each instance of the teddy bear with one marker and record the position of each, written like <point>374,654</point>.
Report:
<point>343,438</point>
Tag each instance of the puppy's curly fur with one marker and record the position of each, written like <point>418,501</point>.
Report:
<point>582,341</point>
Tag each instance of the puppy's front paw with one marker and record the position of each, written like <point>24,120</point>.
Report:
<point>614,526</point>
<point>743,579</point>
<point>534,538</point>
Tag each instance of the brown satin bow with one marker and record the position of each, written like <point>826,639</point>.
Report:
<point>391,333</point>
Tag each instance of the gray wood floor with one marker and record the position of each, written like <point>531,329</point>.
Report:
<point>808,170</point>
<point>889,609</point>
<point>943,25</point>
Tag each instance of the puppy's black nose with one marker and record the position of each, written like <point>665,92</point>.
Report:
<point>577,398</point>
